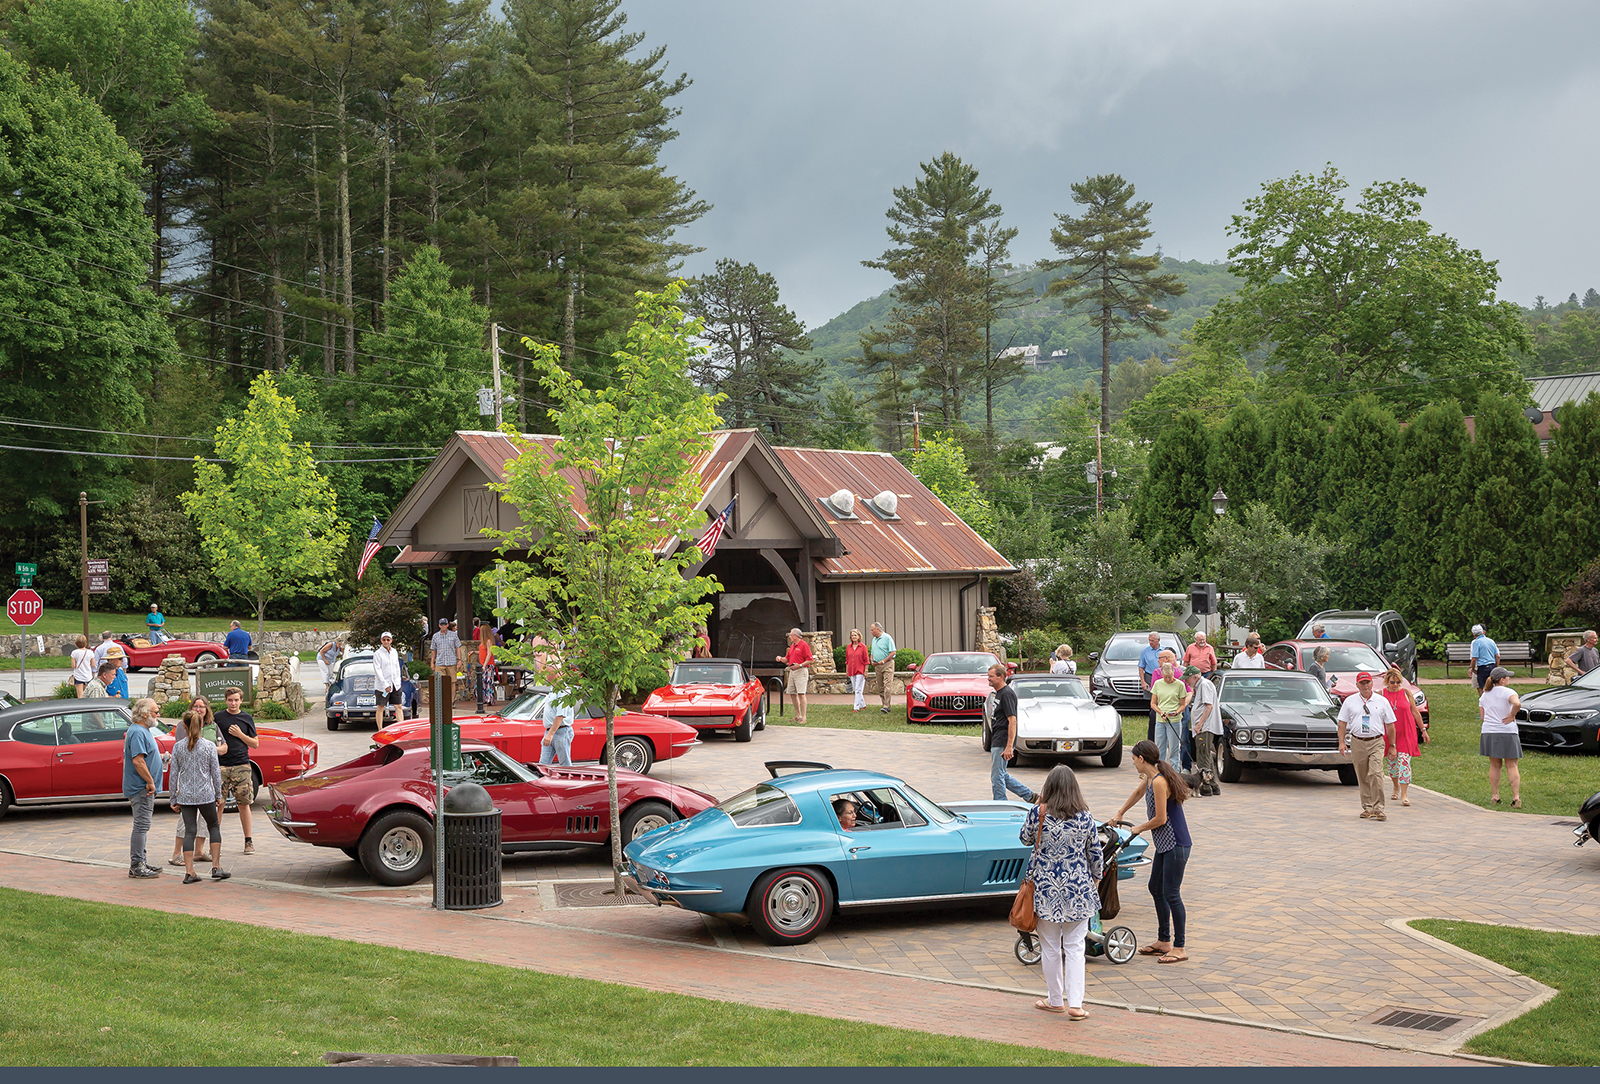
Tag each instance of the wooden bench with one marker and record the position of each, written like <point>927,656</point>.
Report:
<point>1513,651</point>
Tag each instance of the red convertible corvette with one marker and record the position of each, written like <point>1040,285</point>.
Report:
<point>949,687</point>
<point>378,808</point>
<point>518,731</point>
<point>712,694</point>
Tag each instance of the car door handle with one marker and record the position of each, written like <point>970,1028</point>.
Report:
<point>853,850</point>
<point>64,752</point>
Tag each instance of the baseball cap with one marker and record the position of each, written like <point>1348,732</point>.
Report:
<point>1191,671</point>
<point>387,636</point>
<point>444,620</point>
<point>1363,676</point>
<point>1494,675</point>
<point>1477,630</point>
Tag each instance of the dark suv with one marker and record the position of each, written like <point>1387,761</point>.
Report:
<point>1383,630</point>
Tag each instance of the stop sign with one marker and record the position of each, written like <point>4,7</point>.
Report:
<point>24,607</point>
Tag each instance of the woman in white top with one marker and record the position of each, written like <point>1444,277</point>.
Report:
<point>1499,740</point>
<point>82,664</point>
<point>1061,662</point>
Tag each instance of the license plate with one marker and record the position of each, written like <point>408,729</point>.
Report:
<point>1066,746</point>
<point>366,701</point>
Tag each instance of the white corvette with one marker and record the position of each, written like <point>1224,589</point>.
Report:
<point>1057,719</point>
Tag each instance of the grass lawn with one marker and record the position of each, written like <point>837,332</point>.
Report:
<point>870,718</point>
<point>38,662</point>
<point>1565,1029</point>
<point>54,622</point>
<point>149,988</point>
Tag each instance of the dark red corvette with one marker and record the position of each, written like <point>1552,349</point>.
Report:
<point>378,808</point>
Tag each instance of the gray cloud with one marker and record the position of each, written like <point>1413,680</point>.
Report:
<point>803,118</point>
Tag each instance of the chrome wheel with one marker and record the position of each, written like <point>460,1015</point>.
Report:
<point>1121,944</point>
<point>400,849</point>
<point>793,904</point>
<point>648,823</point>
<point>633,756</point>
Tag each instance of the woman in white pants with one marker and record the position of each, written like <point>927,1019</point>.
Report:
<point>855,667</point>
<point>1066,874</point>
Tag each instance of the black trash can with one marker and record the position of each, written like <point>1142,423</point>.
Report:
<point>471,849</point>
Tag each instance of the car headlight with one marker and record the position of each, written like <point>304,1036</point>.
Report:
<point>1575,715</point>
<point>919,696</point>
<point>1100,681</point>
<point>1419,698</point>
<point>1259,737</point>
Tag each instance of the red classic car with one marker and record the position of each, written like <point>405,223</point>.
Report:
<point>378,808</point>
<point>712,694</point>
<point>949,687</point>
<point>142,655</point>
<point>1346,659</point>
<point>70,751</point>
<point>518,731</point>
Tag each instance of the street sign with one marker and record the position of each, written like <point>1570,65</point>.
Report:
<point>24,607</point>
<point>101,565</point>
<point>27,568</point>
<point>25,581</point>
<point>99,584</point>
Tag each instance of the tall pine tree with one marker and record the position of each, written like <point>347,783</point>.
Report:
<point>1241,456</point>
<point>1173,506</point>
<point>1427,489</point>
<point>1298,437</point>
<point>1354,500</point>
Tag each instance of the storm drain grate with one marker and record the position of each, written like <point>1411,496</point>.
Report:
<point>1418,1021</point>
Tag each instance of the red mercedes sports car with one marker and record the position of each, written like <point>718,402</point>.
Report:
<point>712,694</point>
<point>518,731</point>
<point>142,655</point>
<point>378,808</point>
<point>949,687</point>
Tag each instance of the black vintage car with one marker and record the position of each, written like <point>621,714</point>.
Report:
<point>1278,719</point>
<point>1563,719</point>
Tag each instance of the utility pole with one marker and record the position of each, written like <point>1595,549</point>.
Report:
<point>494,358</point>
<point>916,429</point>
<point>83,540</point>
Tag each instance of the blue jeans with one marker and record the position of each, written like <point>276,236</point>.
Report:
<point>1166,879</point>
<point>1001,780</point>
<point>144,805</point>
<point>1169,738</point>
<point>559,750</point>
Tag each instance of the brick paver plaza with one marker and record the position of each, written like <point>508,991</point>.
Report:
<point>1296,910</point>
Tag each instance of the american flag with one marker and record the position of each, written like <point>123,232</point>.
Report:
<point>708,541</point>
<point>372,548</point>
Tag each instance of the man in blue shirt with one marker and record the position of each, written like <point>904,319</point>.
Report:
<point>559,710</point>
<point>881,650</point>
<point>141,772</point>
<point>1485,657</point>
<point>155,625</point>
<point>1149,670</point>
<point>237,642</point>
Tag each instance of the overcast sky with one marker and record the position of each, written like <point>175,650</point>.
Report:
<point>804,116</point>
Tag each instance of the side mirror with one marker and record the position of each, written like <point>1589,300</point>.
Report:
<point>1390,649</point>
<point>1094,656</point>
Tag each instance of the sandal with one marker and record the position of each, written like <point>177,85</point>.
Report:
<point>1516,803</point>
<point>1152,950</point>
<point>1169,958</point>
<point>1075,1016</point>
<point>1044,1006</point>
<point>1405,801</point>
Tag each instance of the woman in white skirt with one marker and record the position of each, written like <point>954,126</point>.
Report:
<point>855,667</point>
<point>1499,740</point>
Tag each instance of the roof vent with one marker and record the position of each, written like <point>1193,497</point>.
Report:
<point>842,503</point>
<point>884,504</point>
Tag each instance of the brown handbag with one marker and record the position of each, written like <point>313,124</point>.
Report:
<point>1022,914</point>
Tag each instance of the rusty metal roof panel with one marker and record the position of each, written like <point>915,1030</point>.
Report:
<point>410,558</point>
<point>927,539</point>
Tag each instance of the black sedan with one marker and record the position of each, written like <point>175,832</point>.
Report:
<point>1563,719</point>
<point>352,695</point>
<point>1281,720</point>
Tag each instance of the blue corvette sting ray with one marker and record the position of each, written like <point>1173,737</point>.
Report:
<point>779,853</point>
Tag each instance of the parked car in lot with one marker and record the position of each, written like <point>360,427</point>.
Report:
<point>1384,631</point>
<point>718,695</point>
<point>949,687</point>
<point>378,808</point>
<point>1115,680</point>
<point>1057,720</point>
<point>518,731</point>
<point>778,852</point>
<point>1278,719</point>
<point>55,752</point>
<point>1564,719</point>
<point>1346,659</point>
<point>352,693</point>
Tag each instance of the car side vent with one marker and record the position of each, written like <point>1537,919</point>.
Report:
<point>1006,871</point>
<point>582,826</point>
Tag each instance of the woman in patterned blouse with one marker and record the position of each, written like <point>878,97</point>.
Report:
<point>1066,871</point>
<point>196,787</point>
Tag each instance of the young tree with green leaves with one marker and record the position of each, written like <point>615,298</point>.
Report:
<point>842,421</point>
<point>1272,576</point>
<point>609,586</point>
<point>268,520</point>
<point>1173,507</point>
<point>1354,507</point>
<point>1298,437</point>
<point>1105,278</point>
<point>1427,490</point>
<point>756,346</point>
<point>1107,570</point>
<point>941,465</point>
<point>1365,297</point>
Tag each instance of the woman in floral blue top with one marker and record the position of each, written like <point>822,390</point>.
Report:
<point>1066,871</point>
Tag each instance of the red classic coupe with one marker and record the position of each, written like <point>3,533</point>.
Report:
<point>712,694</point>
<point>518,731</point>
<point>142,655</point>
<point>378,808</point>
<point>949,687</point>
<point>1346,659</point>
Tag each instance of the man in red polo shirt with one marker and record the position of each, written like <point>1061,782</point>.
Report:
<point>797,668</point>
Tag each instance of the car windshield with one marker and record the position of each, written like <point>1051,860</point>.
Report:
<point>1125,650</point>
<point>1591,680</point>
<point>707,673</point>
<point>1249,687</point>
<point>487,768</point>
<point>763,804</point>
<point>526,706</point>
<point>1059,689</point>
<point>958,664</point>
<point>1351,657</point>
<point>932,809</point>
<point>1365,631</point>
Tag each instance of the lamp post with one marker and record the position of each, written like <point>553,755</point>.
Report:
<point>1219,501</point>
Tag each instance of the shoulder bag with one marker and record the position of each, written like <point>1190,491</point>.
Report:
<point>1022,914</point>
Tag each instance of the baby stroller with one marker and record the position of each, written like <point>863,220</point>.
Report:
<point>1122,851</point>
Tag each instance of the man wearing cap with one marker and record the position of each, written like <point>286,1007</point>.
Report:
<point>1485,657</point>
<point>386,678</point>
<point>1206,721</point>
<point>1369,722</point>
<point>118,685</point>
<point>443,650</point>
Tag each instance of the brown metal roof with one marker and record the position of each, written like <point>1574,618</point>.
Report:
<point>927,539</point>
<point>410,558</point>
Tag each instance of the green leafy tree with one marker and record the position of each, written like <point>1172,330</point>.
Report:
<point>1569,524</point>
<point>1272,576</point>
<point>1570,343</point>
<point>1106,279</point>
<point>1298,437</point>
<point>609,586</point>
<point>1241,456</point>
<point>1354,507</point>
<point>1365,297</point>
<point>381,607</point>
<point>756,346</point>
<point>1105,571</point>
<point>1001,294</point>
<point>1173,508</point>
<point>1428,487</point>
<point>1201,379</point>
<point>941,465</point>
<point>842,421</point>
<point>268,521</point>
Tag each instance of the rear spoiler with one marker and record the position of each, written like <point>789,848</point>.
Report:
<point>776,766</point>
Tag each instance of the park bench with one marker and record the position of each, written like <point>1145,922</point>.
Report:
<point>1511,652</point>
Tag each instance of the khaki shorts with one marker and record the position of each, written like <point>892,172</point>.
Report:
<point>799,680</point>
<point>236,781</point>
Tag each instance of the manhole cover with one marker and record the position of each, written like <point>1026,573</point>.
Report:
<point>1415,1019</point>
<point>592,894</point>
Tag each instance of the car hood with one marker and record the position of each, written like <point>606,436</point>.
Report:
<point>1070,718</point>
<point>1561,698</point>
<point>1267,715</point>
<point>689,696</point>
<point>953,684</point>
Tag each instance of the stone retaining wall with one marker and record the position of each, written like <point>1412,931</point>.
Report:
<point>62,643</point>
